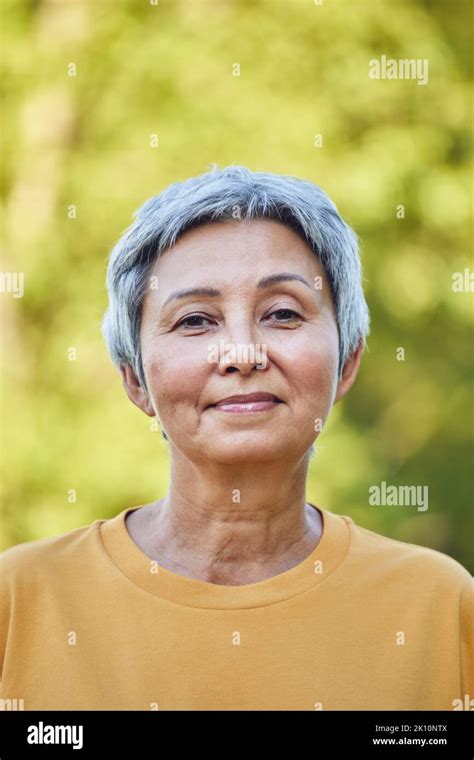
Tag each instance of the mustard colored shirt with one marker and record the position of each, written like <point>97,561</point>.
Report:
<point>365,622</point>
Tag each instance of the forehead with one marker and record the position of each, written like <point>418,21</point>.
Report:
<point>236,250</point>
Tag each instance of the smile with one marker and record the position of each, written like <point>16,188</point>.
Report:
<point>246,407</point>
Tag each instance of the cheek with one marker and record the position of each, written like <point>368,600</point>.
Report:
<point>314,386</point>
<point>312,375</point>
<point>313,364</point>
<point>174,378</point>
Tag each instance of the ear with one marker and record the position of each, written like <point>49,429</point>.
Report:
<point>349,372</point>
<point>134,390</point>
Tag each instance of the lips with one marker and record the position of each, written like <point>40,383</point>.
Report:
<point>248,398</point>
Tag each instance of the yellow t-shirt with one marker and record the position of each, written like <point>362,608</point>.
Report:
<point>365,622</point>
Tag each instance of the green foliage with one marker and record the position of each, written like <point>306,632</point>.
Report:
<point>84,140</point>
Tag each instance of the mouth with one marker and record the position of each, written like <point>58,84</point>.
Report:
<point>248,403</point>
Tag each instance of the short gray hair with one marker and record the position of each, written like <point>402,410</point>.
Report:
<point>231,193</point>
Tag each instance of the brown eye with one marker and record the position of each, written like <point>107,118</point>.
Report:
<point>288,315</point>
<point>191,322</point>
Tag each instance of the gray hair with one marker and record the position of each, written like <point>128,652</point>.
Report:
<point>231,193</point>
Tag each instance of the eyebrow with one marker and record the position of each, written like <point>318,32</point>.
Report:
<point>265,282</point>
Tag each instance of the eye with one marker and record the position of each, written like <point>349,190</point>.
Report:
<point>288,315</point>
<point>194,321</point>
<point>191,322</point>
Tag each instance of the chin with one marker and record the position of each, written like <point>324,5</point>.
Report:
<point>238,449</point>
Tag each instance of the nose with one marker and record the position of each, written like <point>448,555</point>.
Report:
<point>239,349</point>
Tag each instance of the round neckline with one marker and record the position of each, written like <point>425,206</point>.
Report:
<point>145,572</point>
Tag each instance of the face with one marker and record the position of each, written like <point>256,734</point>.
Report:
<point>218,323</point>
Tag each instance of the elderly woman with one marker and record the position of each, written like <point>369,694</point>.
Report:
<point>237,318</point>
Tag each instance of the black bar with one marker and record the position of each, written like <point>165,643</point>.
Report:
<point>446,734</point>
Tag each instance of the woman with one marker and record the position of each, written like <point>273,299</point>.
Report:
<point>236,317</point>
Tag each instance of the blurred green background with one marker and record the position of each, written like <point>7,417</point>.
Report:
<point>85,141</point>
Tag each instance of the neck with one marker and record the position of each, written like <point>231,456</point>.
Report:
<point>233,525</point>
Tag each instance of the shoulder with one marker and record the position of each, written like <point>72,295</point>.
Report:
<point>424,566</point>
<point>34,560</point>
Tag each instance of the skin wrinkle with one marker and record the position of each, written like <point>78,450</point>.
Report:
<point>197,530</point>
